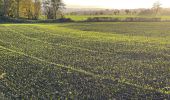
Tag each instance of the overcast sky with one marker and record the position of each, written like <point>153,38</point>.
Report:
<point>119,4</point>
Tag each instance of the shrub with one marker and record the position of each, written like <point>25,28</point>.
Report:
<point>137,19</point>
<point>14,20</point>
<point>128,19</point>
<point>103,19</point>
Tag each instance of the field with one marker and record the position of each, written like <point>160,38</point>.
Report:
<point>85,17</point>
<point>98,61</point>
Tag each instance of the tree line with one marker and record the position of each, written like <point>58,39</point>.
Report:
<point>31,9</point>
<point>156,9</point>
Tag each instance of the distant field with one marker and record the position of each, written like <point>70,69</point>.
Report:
<point>85,17</point>
<point>85,61</point>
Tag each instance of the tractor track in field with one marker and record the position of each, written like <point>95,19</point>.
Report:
<point>80,71</point>
<point>69,46</point>
<point>100,77</point>
<point>62,45</point>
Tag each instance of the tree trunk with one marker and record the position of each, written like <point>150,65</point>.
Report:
<point>18,5</point>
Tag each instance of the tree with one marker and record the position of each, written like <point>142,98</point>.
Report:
<point>1,7</point>
<point>18,7</point>
<point>127,11</point>
<point>31,9</point>
<point>56,5</point>
<point>5,7</point>
<point>37,9</point>
<point>134,12</point>
<point>51,7</point>
<point>9,8</point>
<point>145,12</point>
<point>156,7</point>
<point>47,9</point>
<point>116,12</point>
<point>27,9</point>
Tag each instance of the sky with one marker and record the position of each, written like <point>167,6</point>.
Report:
<point>115,4</point>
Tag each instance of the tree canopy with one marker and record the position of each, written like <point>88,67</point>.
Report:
<point>31,9</point>
<point>156,7</point>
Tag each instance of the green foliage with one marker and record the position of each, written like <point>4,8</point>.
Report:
<point>1,7</point>
<point>31,9</point>
<point>85,61</point>
<point>52,8</point>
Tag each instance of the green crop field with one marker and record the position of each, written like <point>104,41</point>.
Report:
<point>89,61</point>
<point>85,17</point>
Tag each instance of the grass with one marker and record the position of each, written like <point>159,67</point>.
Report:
<point>85,61</point>
<point>85,17</point>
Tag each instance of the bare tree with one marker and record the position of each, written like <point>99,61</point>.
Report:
<point>156,7</point>
<point>51,7</point>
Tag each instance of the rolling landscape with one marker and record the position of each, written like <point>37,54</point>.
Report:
<point>73,58</point>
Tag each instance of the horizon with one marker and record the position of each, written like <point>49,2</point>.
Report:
<point>113,4</point>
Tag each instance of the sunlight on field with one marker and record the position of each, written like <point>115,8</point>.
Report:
<point>108,59</point>
<point>85,17</point>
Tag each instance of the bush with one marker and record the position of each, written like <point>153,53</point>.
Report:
<point>103,19</point>
<point>131,19</point>
<point>128,19</point>
<point>15,20</point>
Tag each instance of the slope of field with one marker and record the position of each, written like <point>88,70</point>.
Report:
<point>85,61</point>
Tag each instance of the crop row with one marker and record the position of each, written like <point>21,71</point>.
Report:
<point>134,65</point>
<point>26,78</point>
